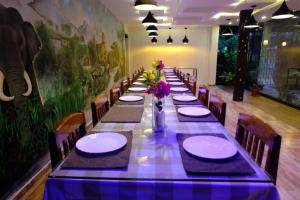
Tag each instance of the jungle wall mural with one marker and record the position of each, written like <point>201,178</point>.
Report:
<point>55,56</point>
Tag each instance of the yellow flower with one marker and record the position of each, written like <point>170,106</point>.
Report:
<point>155,63</point>
<point>149,72</point>
<point>151,77</point>
<point>145,75</point>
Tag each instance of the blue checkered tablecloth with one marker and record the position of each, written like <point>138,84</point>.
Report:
<point>155,168</point>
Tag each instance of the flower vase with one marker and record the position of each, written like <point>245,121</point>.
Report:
<point>158,114</point>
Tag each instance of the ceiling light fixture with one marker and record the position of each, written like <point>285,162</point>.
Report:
<point>251,23</point>
<point>227,31</point>
<point>283,12</point>
<point>185,39</point>
<point>153,34</point>
<point>225,14</point>
<point>151,28</point>
<point>154,40</point>
<point>170,40</point>
<point>149,20</point>
<point>145,4</point>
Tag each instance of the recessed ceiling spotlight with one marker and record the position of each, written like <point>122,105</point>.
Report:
<point>145,4</point>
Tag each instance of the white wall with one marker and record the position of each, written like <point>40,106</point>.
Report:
<point>201,52</point>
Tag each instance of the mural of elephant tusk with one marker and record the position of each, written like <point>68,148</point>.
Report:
<point>3,97</point>
<point>29,85</point>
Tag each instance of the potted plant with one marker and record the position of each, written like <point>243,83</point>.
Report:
<point>227,77</point>
<point>255,89</point>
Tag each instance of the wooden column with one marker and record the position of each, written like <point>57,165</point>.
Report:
<point>241,62</point>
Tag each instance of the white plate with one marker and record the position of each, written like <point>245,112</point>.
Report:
<point>137,89</point>
<point>171,76</point>
<point>176,83</point>
<point>210,147</point>
<point>173,79</point>
<point>184,98</point>
<point>141,79</point>
<point>101,142</point>
<point>194,111</point>
<point>138,83</point>
<point>179,89</point>
<point>130,98</point>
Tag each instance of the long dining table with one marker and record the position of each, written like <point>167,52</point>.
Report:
<point>155,169</point>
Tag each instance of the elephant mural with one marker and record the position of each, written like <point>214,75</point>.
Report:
<point>19,44</point>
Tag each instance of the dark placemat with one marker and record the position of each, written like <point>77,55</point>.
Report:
<point>141,102</point>
<point>186,92</point>
<point>183,118</point>
<point>196,102</point>
<point>235,165</point>
<point>123,115</point>
<point>116,159</point>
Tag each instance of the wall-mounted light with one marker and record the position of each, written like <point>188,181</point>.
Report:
<point>153,34</point>
<point>149,20</point>
<point>170,40</point>
<point>283,12</point>
<point>154,40</point>
<point>185,39</point>
<point>284,44</point>
<point>251,23</point>
<point>145,4</point>
<point>152,28</point>
<point>265,42</point>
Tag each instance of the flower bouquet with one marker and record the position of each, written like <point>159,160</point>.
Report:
<point>159,89</point>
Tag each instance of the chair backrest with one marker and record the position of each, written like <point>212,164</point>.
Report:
<point>63,137</point>
<point>115,94</point>
<point>253,134</point>
<point>99,107</point>
<point>129,81</point>
<point>218,107</point>
<point>203,95</point>
<point>124,86</point>
<point>192,85</point>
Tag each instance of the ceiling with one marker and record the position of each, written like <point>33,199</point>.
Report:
<point>196,12</point>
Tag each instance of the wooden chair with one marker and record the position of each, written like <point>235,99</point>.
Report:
<point>253,134</point>
<point>192,85</point>
<point>203,95</point>
<point>129,81</point>
<point>115,94</point>
<point>99,107</point>
<point>63,137</point>
<point>124,86</point>
<point>218,107</point>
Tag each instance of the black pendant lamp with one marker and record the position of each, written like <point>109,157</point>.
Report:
<point>154,40</point>
<point>153,34</point>
<point>149,20</point>
<point>152,28</point>
<point>251,23</point>
<point>145,4</point>
<point>170,40</point>
<point>283,12</point>
<point>227,31</point>
<point>185,39</point>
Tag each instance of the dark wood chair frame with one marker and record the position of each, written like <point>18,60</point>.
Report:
<point>203,95</point>
<point>63,137</point>
<point>253,134</point>
<point>99,107</point>
<point>218,108</point>
<point>114,95</point>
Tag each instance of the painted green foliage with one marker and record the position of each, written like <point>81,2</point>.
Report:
<point>70,70</point>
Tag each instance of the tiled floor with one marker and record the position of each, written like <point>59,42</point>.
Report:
<point>285,120</point>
